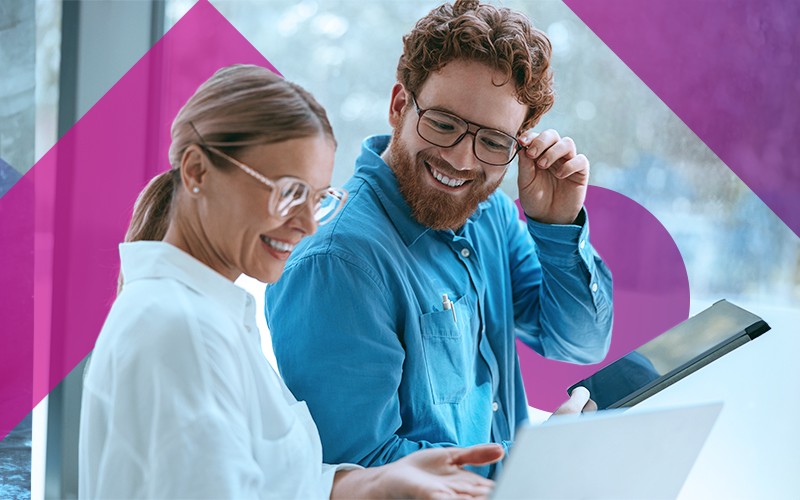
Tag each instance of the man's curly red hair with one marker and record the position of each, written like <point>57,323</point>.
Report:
<point>499,37</point>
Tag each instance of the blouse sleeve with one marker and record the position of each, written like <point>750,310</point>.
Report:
<point>328,473</point>
<point>175,421</point>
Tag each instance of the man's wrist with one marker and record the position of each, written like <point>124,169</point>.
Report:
<point>560,244</point>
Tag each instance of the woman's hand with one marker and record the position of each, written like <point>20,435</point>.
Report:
<point>430,473</point>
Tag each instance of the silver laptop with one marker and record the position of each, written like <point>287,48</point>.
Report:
<point>608,455</point>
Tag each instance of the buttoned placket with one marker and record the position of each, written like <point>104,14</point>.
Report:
<point>466,253</point>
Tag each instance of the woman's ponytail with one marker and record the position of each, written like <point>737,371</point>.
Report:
<point>151,212</point>
<point>150,218</point>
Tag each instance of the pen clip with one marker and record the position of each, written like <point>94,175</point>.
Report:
<point>449,306</point>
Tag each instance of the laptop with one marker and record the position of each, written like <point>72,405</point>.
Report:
<point>673,355</point>
<point>607,455</point>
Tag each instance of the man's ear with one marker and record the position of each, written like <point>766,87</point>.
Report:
<point>398,104</point>
<point>193,168</point>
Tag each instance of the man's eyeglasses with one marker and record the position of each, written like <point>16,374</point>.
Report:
<point>288,195</point>
<point>445,130</point>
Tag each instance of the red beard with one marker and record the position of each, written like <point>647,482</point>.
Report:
<point>430,207</point>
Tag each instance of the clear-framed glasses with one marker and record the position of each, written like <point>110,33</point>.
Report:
<point>288,195</point>
<point>445,130</point>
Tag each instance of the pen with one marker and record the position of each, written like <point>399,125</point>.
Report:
<point>448,306</point>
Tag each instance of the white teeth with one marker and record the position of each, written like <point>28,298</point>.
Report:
<point>278,245</point>
<point>447,181</point>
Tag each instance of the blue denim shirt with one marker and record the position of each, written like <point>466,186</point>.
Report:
<point>360,332</point>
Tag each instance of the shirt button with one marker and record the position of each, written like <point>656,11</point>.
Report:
<point>495,406</point>
<point>594,287</point>
<point>582,244</point>
<point>465,252</point>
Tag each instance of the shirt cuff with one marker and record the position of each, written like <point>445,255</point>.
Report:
<point>506,447</point>
<point>562,244</point>
<point>329,471</point>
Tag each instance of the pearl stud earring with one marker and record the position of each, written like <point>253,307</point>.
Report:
<point>195,190</point>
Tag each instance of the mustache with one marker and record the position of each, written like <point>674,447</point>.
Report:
<point>446,168</point>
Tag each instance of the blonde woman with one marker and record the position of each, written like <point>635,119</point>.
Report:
<point>178,399</point>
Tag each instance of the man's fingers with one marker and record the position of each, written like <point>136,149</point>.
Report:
<point>481,454</point>
<point>526,137</point>
<point>577,400</point>
<point>577,165</point>
<point>548,150</point>
<point>563,150</point>
<point>581,394</point>
<point>540,143</point>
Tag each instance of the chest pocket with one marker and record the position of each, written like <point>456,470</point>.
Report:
<point>449,350</point>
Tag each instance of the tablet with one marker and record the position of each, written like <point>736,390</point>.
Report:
<point>673,355</point>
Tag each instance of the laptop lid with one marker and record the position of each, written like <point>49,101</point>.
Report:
<point>610,454</point>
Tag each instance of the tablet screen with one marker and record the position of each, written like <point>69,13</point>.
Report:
<point>672,355</point>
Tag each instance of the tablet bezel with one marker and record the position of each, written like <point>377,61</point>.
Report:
<point>751,332</point>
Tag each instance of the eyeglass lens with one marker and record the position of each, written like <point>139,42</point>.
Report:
<point>292,196</point>
<point>445,130</point>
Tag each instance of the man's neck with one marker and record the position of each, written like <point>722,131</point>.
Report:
<point>386,156</point>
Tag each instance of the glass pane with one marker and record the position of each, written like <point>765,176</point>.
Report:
<point>346,53</point>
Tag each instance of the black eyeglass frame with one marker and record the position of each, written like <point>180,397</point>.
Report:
<point>479,127</point>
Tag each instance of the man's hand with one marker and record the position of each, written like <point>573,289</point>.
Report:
<point>578,402</point>
<point>552,177</point>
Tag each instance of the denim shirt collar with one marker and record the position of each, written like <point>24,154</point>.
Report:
<point>374,171</point>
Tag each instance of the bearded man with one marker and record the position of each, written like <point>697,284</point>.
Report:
<point>397,322</point>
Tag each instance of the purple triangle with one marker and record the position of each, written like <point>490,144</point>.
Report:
<point>729,70</point>
<point>85,187</point>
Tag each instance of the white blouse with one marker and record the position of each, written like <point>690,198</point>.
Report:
<point>179,400</point>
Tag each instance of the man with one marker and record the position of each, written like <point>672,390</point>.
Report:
<point>396,323</point>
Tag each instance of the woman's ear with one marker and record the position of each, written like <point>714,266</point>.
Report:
<point>194,168</point>
<point>397,105</point>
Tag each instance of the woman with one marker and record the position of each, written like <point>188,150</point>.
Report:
<point>179,400</point>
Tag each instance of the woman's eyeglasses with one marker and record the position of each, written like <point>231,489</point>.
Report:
<point>288,195</point>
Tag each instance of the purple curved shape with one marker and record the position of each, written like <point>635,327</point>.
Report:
<point>82,213</point>
<point>651,291</point>
<point>728,70</point>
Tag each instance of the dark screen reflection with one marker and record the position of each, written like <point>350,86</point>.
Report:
<point>617,380</point>
<point>719,328</point>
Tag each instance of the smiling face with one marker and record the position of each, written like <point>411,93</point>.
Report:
<point>443,186</point>
<point>232,231</point>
